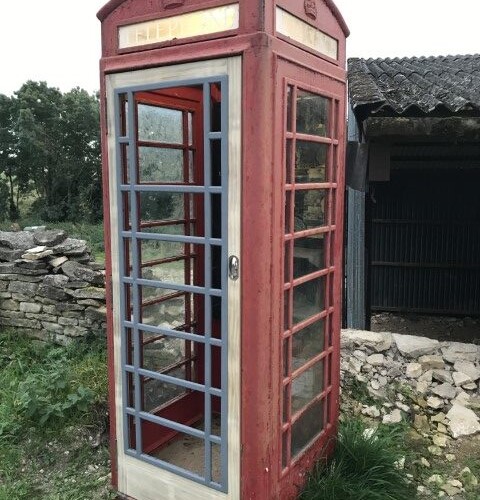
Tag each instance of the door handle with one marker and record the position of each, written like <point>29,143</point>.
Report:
<point>233,267</point>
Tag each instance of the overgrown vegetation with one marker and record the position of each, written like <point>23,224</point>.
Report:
<point>53,420</point>
<point>366,465</point>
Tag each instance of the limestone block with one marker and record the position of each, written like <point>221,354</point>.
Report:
<point>10,305</point>
<point>55,280</point>
<point>462,421</point>
<point>49,238</point>
<point>42,317</point>
<point>413,370</point>
<point>432,362</point>
<point>90,293</point>
<point>414,347</point>
<point>30,307</point>
<point>80,272</point>
<point>468,368</point>
<point>37,255</point>
<point>52,293</point>
<point>67,321</point>
<point>19,240</point>
<point>25,288</point>
<point>378,342</point>
<point>456,351</point>
<point>99,314</point>
<point>445,391</point>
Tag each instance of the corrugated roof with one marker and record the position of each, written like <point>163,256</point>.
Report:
<point>416,86</point>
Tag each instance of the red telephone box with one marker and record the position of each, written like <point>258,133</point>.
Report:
<point>223,147</point>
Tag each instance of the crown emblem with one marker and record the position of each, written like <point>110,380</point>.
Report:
<point>311,8</point>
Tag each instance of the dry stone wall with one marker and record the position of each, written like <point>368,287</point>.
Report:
<point>50,286</point>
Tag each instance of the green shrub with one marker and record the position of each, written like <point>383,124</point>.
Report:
<point>44,386</point>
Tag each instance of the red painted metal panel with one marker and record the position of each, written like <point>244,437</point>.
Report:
<point>268,62</point>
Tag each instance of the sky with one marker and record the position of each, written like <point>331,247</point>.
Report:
<point>58,41</point>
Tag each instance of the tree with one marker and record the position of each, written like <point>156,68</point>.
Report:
<point>58,143</point>
<point>8,161</point>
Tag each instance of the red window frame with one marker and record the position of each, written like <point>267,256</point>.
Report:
<point>327,271</point>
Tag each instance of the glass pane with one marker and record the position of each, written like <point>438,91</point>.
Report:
<point>184,451</point>
<point>310,207</point>
<point>216,463</point>
<point>178,272</point>
<point>285,450</point>
<point>216,373</point>
<point>157,206</point>
<point>312,114</point>
<point>178,229</point>
<point>124,162</point>
<point>151,249</point>
<point>288,162</point>
<point>216,162</point>
<point>123,114</point>
<point>286,356</point>
<point>310,162</point>
<point>216,207</point>
<point>286,311</point>
<point>309,425</point>
<point>161,165</point>
<point>308,299</point>
<point>156,393</point>
<point>169,313</point>
<point>216,107</point>
<point>307,386</point>
<point>288,212</point>
<point>286,400</point>
<point>309,255</point>
<point>132,444</point>
<point>190,129</point>
<point>125,211</point>
<point>287,271</point>
<point>308,343</point>
<point>289,108</point>
<point>159,124</point>
<point>161,352</point>
<point>216,421</point>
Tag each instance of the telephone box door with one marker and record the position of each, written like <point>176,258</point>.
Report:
<point>174,161</point>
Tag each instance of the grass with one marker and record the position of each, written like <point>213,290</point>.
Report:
<point>53,420</point>
<point>364,466</point>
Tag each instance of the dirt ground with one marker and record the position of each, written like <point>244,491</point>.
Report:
<point>443,328</point>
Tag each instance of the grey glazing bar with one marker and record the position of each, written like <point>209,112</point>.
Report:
<point>124,140</point>
<point>135,266</point>
<point>214,135</point>
<point>173,83</point>
<point>173,333</point>
<point>171,424</point>
<point>168,188</point>
<point>207,172</point>
<point>224,285</point>
<point>168,379</point>
<point>172,188</point>
<point>173,286</point>
<point>174,238</point>
<point>121,257</point>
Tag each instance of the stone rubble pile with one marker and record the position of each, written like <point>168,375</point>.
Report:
<point>433,385</point>
<point>50,286</point>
